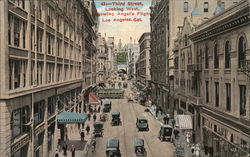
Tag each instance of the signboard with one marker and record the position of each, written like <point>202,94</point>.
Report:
<point>121,58</point>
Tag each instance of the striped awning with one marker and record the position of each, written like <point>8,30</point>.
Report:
<point>93,99</point>
<point>184,122</point>
<point>71,118</point>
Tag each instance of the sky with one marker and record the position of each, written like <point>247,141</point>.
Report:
<point>123,30</point>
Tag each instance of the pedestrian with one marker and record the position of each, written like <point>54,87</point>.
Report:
<point>94,117</point>
<point>82,125</point>
<point>93,145</point>
<point>87,129</point>
<point>192,149</point>
<point>176,132</point>
<point>89,116</point>
<point>73,150</point>
<point>82,135</point>
<point>188,138</point>
<point>197,150</point>
<point>193,137</point>
<point>56,153</point>
<point>95,110</point>
<point>65,147</point>
<point>173,123</point>
<point>79,126</point>
<point>167,118</point>
<point>99,109</point>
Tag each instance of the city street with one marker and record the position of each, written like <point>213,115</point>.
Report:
<point>127,132</point>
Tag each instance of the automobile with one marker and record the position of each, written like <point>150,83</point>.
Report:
<point>139,147</point>
<point>165,133</point>
<point>98,129</point>
<point>130,100</point>
<point>142,123</point>
<point>147,110</point>
<point>106,105</point>
<point>112,148</point>
<point>115,118</point>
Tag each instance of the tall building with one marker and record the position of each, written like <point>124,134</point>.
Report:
<point>41,60</point>
<point>102,62</point>
<point>111,47</point>
<point>143,69</point>
<point>133,52</point>
<point>221,51</point>
<point>164,27</point>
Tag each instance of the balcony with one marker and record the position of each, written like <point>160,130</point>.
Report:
<point>197,100</point>
<point>245,67</point>
<point>194,67</point>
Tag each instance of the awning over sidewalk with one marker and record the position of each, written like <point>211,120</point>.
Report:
<point>93,99</point>
<point>184,122</point>
<point>71,118</point>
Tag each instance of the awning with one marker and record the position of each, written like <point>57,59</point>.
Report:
<point>71,118</point>
<point>184,122</point>
<point>93,99</point>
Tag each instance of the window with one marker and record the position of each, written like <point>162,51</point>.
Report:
<point>10,19</point>
<point>50,44</point>
<point>207,92</point>
<point>50,16</point>
<point>227,55</point>
<point>38,112</point>
<point>216,94</point>
<point>205,6</point>
<point>59,48</point>
<point>242,100</point>
<point>39,40</point>
<point>58,24</point>
<point>39,10</point>
<point>17,73</point>
<point>228,96</point>
<point>241,52</point>
<point>24,34</point>
<point>17,23</point>
<point>185,6</point>
<point>50,72</point>
<point>20,3</point>
<point>206,58</point>
<point>19,118</point>
<point>216,56</point>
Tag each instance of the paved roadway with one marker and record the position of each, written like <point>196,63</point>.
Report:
<point>127,132</point>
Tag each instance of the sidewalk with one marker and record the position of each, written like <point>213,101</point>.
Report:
<point>181,139</point>
<point>74,138</point>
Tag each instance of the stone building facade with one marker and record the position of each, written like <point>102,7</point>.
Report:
<point>164,27</point>
<point>143,69</point>
<point>41,59</point>
<point>221,49</point>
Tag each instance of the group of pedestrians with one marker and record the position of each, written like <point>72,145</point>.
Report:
<point>65,148</point>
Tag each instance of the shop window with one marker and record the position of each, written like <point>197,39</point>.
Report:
<point>38,112</point>
<point>205,5</point>
<point>185,6</point>
<point>19,118</point>
<point>227,55</point>
<point>241,52</point>
<point>38,141</point>
<point>228,96</point>
<point>216,94</point>
<point>22,152</point>
<point>242,100</point>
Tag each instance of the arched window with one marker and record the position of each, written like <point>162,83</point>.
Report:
<point>241,51</point>
<point>206,58</point>
<point>216,56</point>
<point>227,55</point>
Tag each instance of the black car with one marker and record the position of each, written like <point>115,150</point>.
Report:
<point>115,118</point>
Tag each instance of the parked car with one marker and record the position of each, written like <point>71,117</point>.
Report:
<point>166,132</point>
<point>106,105</point>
